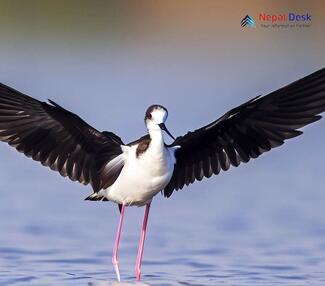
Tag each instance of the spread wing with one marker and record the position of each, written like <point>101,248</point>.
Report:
<point>59,139</point>
<point>247,131</point>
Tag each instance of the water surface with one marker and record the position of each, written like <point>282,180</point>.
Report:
<point>233,235</point>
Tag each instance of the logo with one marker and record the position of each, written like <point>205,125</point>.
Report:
<point>278,20</point>
<point>248,21</point>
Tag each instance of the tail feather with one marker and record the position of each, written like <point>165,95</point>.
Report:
<point>96,197</point>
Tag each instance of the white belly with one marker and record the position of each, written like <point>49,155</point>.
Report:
<point>143,177</point>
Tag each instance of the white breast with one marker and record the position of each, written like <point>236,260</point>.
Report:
<point>142,177</point>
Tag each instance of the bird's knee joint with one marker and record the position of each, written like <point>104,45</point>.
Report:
<point>114,261</point>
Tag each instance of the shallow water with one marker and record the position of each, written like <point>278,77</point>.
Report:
<point>224,231</point>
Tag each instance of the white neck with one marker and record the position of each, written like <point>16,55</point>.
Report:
<point>157,138</point>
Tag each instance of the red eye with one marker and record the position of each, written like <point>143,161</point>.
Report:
<point>149,116</point>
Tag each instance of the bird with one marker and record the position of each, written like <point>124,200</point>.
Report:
<point>133,174</point>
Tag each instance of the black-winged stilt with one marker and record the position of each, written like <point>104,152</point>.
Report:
<point>132,174</point>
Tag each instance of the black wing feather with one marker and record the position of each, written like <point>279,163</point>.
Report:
<point>58,138</point>
<point>248,131</point>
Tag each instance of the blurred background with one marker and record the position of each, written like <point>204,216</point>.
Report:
<point>107,61</point>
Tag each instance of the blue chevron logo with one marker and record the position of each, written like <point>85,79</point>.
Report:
<point>248,21</point>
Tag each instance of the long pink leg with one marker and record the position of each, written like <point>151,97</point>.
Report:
<point>117,242</point>
<point>141,244</point>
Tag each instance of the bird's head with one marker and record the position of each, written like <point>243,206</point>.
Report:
<point>155,118</point>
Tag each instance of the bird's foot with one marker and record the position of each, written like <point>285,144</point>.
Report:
<point>116,268</point>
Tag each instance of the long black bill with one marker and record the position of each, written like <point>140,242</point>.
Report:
<point>163,127</point>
